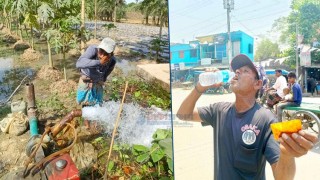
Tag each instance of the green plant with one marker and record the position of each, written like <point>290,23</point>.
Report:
<point>156,45</point>
<point>52,103</point>
<point>109,26</point>
<point>142,92</point>
<point>4,110</point>
<point>139,161</point>
<point>158,156</point>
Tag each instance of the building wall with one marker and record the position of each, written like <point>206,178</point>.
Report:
<point>191,53</point>
<point>237,37</point>
<point>184,53</point>
<point>246,46</point>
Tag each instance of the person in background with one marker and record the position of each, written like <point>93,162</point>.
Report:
<point>296,93</point>
<point>95,66</point>
<point>313,85</point>
<point>279,85</point>
<point>242,129</point>
<point>287,97</point>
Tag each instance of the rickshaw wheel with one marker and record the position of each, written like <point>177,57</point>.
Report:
<point>310,121</point>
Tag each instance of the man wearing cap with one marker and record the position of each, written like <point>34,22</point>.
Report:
<point>95,65</point>
<point>242,135</point>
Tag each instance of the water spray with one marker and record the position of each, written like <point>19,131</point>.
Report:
<point>114,131</point>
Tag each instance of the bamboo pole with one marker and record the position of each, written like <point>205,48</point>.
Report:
<point>114,132</point>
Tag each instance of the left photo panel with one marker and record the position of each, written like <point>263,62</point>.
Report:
<point>85,90</point>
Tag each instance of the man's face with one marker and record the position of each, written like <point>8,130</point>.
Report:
<point>103,55</point>
<point>291,80</point>
<point>245,81</point>
<point>278,74</point>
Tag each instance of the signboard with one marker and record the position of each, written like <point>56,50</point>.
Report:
<point>205,61</point>
<point>305,58</point>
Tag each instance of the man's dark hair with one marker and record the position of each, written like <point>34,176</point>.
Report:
<point>279,71</point>
<point>292,75</point>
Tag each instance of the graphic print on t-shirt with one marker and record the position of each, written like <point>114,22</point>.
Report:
<point>249,134</point>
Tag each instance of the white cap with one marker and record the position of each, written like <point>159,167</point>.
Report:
<point>108,45</point>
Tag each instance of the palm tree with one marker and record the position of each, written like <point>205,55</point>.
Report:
<point>157,8</point>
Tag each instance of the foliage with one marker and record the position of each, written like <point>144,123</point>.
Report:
<point>315,56</point>
<point>109,26</point>
<point>133,6</point>
<point>106,9</point>
<point>156,8</point>
<point>142,92</point>
<point>291,57</point>
<point>138,161</point>
<point>52,103</point>
<point>266,49</point>
<point>304,19</point>
<point>4,110</point>
<point>309,15</point>
<point>156,45</point>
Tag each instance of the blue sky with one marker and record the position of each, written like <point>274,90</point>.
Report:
<point>192,18</point>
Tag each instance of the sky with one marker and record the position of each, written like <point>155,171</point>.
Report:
<point>130,1</point>
<point>192,18</point>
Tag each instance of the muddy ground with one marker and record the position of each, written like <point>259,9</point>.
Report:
<point>49,81</point>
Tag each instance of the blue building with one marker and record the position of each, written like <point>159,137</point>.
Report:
<point>187,53</point>
<point>212,47</point>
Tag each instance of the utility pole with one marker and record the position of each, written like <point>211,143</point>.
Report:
<point>297,55</point>
<point>229,5</point>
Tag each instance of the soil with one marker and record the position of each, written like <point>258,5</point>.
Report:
<point>30,55</point>
<point>49,73</point>
<point>47,82</point>
<point>63,88</point>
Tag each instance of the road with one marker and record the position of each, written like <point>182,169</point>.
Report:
<point>193,144</point>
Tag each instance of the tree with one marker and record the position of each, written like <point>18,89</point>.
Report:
<point>111,9</point>
<point>305,19</point>
<point>267,49</point>
<point>309,16</point>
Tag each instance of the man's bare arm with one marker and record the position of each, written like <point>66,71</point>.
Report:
<point>284,169</point>
<point>187,110</point>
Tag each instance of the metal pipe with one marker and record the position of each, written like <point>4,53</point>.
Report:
<point>33,124</point>
<point>31,96</point>
<point>32,109</point>
<point>69,117</point>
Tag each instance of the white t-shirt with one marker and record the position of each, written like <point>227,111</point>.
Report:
<point>280,84</point>
<point>288,96</point>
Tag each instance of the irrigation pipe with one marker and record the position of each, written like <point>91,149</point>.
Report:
<point>3,103</point>
<point>114,131</point>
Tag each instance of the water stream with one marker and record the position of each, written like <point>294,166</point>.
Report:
<point>11,77</point>
<point>126,66</point>
<point>136,124</point>
<point>5,65</point>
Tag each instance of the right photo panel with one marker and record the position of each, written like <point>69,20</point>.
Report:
<point>245,82</point>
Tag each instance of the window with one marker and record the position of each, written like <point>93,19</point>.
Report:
<point>181,54</point>
<point>193,53</point>
<point>250,48</point>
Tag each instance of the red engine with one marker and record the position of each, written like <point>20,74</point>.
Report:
<point>62,168</point>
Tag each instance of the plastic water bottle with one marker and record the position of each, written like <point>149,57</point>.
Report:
<point>210,78</point>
